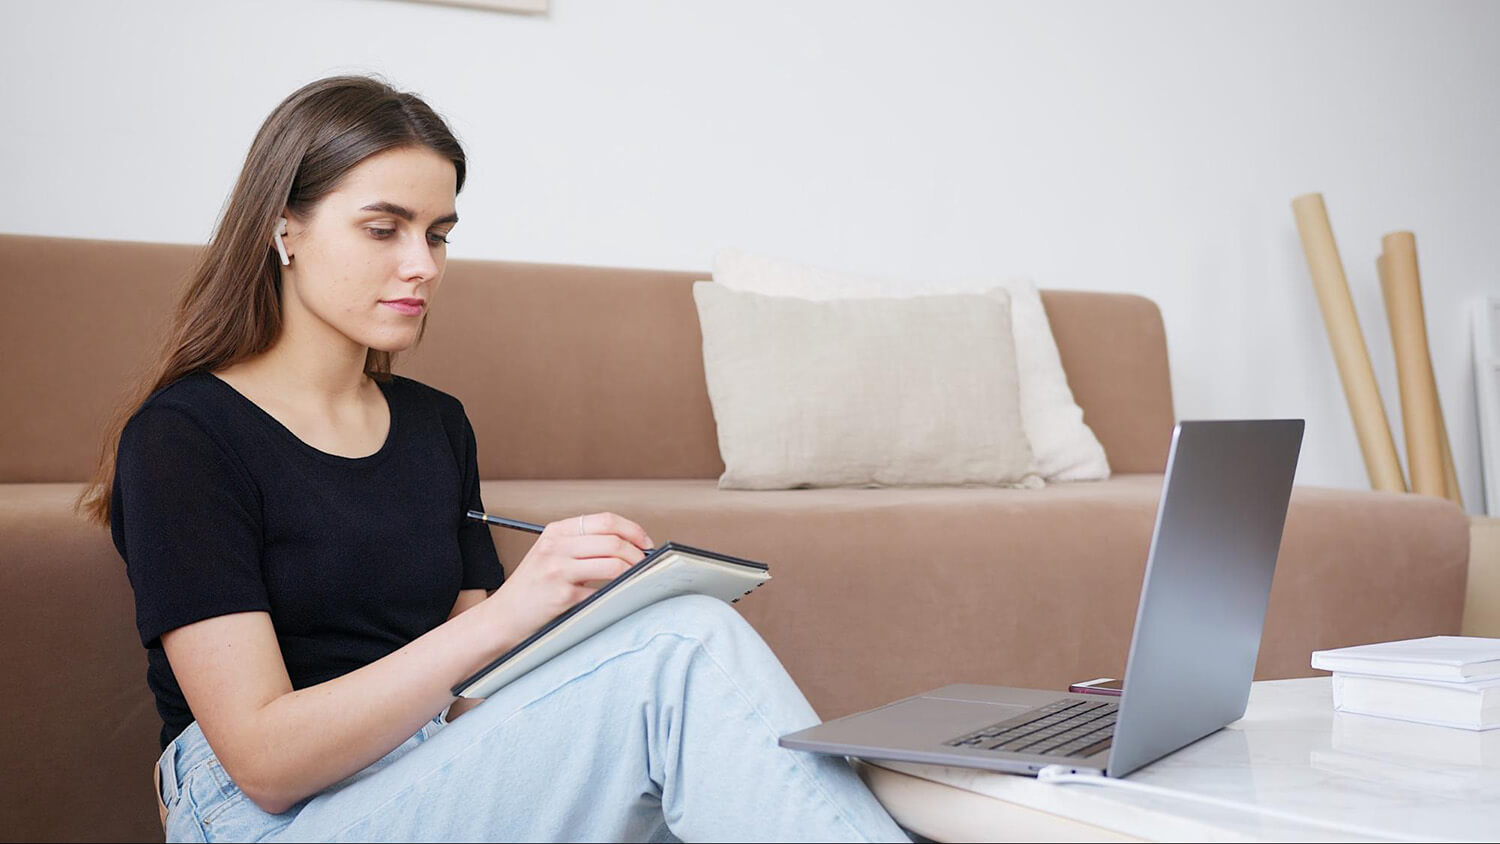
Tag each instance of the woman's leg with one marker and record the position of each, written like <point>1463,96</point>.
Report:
<point>669,717</point>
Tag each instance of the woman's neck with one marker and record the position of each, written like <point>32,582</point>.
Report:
<point>327,372</point>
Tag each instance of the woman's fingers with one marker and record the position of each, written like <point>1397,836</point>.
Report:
<point>599,569</point>
<point>611,523</point>
<point>600,524</point>
<point>580,547</point>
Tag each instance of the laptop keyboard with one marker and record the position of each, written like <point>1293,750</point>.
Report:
<point>1067,727</point>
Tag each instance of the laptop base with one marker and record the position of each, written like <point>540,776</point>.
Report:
<point>918,728</point>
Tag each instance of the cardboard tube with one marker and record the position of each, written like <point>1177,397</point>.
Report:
<point>1450,471</point>
<point>1385,295</point>
<point>1349,351</point>
<point>1419,402</point>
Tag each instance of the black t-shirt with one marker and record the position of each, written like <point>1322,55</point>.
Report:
<point>218,508</point>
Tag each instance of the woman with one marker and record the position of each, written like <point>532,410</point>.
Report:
<point>291,518</point>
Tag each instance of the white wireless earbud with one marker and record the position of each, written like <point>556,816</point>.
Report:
<point>280,246</point>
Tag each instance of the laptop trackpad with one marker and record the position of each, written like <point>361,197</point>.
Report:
<point>917,722</point>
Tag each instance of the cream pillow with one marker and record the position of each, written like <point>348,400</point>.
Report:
<point>1063,447</point>
<point>883,392</point>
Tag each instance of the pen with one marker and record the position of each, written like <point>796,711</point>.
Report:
<point>514,524</point>
<point>503,522</point>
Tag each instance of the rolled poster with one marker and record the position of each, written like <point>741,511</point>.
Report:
<point>1428,456</point>
<point>1349,351</point>
<point>1403,297</point>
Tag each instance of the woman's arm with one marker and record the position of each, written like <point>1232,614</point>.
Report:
<point>467,599</point>
<point>281,746</point>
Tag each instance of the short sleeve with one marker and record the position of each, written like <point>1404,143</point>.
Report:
<point>481,563</point>
<point>187,523</point>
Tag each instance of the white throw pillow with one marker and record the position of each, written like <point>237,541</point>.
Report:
<point>1063,448</point>
<point>883,392</point>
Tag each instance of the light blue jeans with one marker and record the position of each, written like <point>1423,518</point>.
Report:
<point>661,727</point>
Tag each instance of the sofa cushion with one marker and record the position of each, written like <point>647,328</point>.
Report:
<point>1014,587</point>
<point>886,392</point>
<point>1063,448</point>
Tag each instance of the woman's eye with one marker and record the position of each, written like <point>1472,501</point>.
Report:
<point>382,234</point>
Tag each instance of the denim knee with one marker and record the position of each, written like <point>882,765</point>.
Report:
<point>696,617</point>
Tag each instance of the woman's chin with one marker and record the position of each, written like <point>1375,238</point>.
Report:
<point>388,335</point>
<point>392,342</point>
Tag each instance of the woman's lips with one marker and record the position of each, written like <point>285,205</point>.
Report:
<point>408,307</point>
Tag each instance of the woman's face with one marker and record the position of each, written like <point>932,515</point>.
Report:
<point>368,262</point>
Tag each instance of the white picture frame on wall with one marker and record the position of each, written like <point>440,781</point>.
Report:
<point>525,7</point>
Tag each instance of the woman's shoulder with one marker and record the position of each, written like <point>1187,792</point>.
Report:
<point>188,427</point>
<point>194,411</point>
<point>198,396</point>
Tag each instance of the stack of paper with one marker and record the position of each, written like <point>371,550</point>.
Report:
<point>1451,681</point>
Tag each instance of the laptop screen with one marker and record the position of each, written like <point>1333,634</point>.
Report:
<point>1207,583</point>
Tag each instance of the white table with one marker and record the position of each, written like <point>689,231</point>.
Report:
<point>1291,753</point>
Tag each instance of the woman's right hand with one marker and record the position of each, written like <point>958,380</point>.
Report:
<point>562,568</point>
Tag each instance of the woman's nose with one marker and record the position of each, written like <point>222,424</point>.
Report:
<point>417,261</point>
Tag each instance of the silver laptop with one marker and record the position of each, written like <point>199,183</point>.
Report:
<point>1197,633</point>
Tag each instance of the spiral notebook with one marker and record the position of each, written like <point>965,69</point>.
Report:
<point>666,572</point>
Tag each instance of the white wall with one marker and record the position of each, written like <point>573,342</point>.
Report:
<point>1151,147</point>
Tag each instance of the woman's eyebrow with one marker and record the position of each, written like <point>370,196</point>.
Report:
<point>405,213</point>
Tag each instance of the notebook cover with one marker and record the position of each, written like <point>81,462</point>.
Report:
<point>629,575</point>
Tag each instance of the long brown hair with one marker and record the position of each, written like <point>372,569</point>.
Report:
<point>230,309</point>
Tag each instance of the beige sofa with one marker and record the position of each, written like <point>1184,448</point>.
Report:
<point>586,390</point>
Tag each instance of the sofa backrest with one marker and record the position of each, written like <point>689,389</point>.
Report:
<point>565,371</point>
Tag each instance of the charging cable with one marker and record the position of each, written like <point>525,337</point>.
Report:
<point>1062,774</point>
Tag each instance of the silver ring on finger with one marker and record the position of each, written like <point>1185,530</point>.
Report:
<point>581,529</point>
